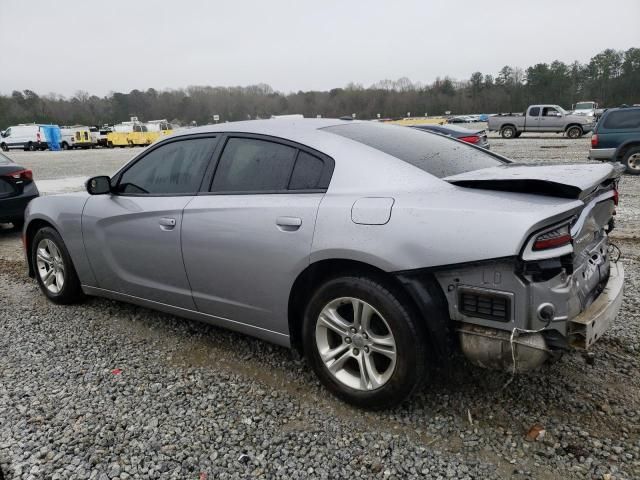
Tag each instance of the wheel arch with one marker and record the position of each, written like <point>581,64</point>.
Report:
<point>624,148</point>
<point>566,129</point>
<point>408,287</point>
<point>30,230</point>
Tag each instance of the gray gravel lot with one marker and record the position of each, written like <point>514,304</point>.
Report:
<point>107,390</point>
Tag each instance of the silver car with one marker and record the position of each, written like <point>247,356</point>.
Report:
<point>376,250</point>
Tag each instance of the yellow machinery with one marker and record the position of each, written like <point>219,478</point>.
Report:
<point>135,133</point>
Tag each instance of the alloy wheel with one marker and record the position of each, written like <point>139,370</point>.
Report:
<point>50,265</point>
<point>356,344</point>
<point>633,162</point>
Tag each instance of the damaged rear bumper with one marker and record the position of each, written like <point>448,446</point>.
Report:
<point>589,326</point>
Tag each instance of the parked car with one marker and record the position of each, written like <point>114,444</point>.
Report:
<point>374,249</point>
<point>17,189</point>
<point>460,119</point>
<point>24,137</point>
<point>617,138</point>
<point>541,118</point>
<point>475,137</point>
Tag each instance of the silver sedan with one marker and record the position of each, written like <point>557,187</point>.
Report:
<point>375,250</point>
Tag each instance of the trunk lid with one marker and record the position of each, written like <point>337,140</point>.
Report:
<point>577,181</point>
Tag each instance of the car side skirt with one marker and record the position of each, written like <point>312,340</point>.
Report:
<point>261,333</point>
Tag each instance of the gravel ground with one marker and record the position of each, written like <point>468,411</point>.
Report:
<point>106,390</point>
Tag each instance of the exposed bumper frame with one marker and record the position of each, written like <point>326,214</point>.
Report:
<point>586,328</point>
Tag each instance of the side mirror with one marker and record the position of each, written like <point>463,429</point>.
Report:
<point>99,185</point>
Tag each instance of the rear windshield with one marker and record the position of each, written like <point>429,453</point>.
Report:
<point>437,155</point>
<point>622,119</point>
<point>5,160</point>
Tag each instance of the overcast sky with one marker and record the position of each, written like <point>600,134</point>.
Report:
<point>119,45</point>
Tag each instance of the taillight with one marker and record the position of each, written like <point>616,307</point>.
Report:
<point>558,237</point>
<point>470,139</point>
<point>25,175</point>
<point>594,140</point>
<point>38,137</point>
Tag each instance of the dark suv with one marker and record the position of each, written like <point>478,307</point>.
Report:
<point>617,138</point>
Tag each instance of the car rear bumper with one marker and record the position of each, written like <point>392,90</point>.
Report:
<point>602,153</point>
<point>13,208</point>
<point>589,326</point>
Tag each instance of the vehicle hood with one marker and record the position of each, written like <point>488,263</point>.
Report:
<point>575,181</point>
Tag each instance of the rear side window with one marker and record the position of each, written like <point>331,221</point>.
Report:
<point>534,111</point>
<point>440,156</point>
<point>307,174</point>
<point>174,168</point>
<point>621,119</point>
<point>252,165</point>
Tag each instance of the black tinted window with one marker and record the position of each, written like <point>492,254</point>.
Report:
<point>534,111</point>
<point>174,168</point>
<point>307,174</point>
<point>250,165</point>
<point>435,154</point>
<point>622,119</point>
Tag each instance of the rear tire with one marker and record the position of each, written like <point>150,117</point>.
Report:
<point>53,267</point>
<point>65,146</point>
<point>574,132</point>
<point>374,362</point>
<point>31,147</point>
<point>631,161</point>
<point>508,132</point>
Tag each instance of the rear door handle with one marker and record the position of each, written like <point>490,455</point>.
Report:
<point>167,223</point>
<point>288,224</point>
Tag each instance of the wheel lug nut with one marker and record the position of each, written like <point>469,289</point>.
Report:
<point>347,340</point>
<point>353,330</point>
<point>365,336</point>
<point>366,349</point>
<point>356,351</point>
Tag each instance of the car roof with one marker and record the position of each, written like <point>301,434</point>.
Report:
<point>289,128</point>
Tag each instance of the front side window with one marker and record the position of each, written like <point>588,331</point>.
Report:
<point>550,112</point>
<point>621,119</point>
<point>174,168</point>
<point>252,165</point>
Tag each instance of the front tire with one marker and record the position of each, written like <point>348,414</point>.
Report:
<point>574,132</point>
<point>364,342</point>
<point>508,132</point>
<point>4,147</point>
<point>53,267</point>
<point>631,161</point>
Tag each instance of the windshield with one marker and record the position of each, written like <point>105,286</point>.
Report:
<point>584,106</point>
<point>440,156</point>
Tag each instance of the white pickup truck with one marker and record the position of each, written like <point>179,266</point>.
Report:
<point>541,118</point>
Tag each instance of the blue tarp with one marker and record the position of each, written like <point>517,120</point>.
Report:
<point>52,135</point>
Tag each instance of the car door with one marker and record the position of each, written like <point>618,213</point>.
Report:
<point>245,242</point>
<point>551,120</point>
<point>533,119</point>
<point>132,236</point>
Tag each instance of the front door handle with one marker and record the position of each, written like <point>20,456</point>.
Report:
<point>288,224</point>
<point>167,223</point>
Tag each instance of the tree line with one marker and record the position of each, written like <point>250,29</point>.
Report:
<point>611,78</point>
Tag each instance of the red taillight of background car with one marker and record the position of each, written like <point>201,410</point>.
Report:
<point>616,196</point>
<point>24,175</point>
<point>470,139</point>
<point>558,237</point>
<point>594,140</point>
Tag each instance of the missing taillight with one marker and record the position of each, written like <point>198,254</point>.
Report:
<point>558,237</point>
